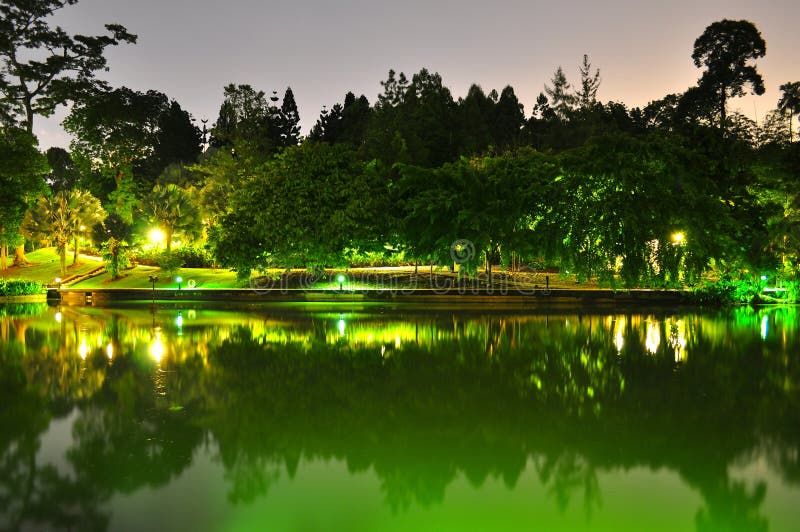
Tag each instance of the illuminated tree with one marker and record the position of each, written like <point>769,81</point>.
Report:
<point>58,219</point>
<point>174,210</point>
<point>22,168</point>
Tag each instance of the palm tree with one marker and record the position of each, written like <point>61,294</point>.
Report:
<point>174,210</point>
<point>790,102</point>
<point>57,219</point>
<point>88,212</point>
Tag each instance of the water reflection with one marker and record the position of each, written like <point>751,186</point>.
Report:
<point>418,399</point>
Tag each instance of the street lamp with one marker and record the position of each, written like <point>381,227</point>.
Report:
<point>179,280</point>
<point>341,279</point>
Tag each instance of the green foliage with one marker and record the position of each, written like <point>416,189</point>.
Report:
<point>191,256</point>
<point>115,254</point>
<point>20,287</point>
<point>22,168</point>
<point>175,211</point>
<point>302,208</point>
<point>58,219</point>
<point>169,262</point>
<point>724,292</point>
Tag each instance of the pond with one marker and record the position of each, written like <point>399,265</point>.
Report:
<point>303,417</point>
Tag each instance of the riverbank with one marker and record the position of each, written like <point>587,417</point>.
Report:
<point>455,295</point>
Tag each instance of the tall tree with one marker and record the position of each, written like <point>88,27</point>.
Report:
<point>44,67</point>
<point>289,120</point>
<point>63,174</point>
<point>126,132</point>
<point>22,169</point>
<point>790,102</point>
<point>562,100</point>
<point>508,119</point>
<point>587,92</point>
<point>724,49</point>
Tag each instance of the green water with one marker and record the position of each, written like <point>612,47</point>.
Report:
<point>306,418</point>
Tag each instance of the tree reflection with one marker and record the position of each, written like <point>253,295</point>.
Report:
<point>419,400</point>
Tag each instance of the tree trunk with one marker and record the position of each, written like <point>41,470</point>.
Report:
<point>3,257</point>
<point>75,252</point>
<point>19,256</point>
<point>169,241</point>
<point>723,117</point>
<point>62,255</point>
<point>489,265</point>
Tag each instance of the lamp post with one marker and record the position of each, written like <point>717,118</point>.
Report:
<point>179,280</point>
<point>341,279</point>
<point>153,279</point>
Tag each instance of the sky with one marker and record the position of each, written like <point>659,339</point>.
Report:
<point>191,49</point>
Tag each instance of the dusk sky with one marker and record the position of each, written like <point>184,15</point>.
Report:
<point>190,49</point>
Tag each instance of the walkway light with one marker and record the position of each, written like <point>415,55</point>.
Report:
<point>156,236</point>
<point>179,280</point>
<point>341,279</point>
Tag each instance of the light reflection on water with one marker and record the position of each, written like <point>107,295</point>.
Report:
<point>398,419</point>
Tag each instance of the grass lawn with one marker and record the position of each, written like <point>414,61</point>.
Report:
<point>44,266</point>
<point>138,277</point>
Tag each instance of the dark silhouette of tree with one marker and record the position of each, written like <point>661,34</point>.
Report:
<point>508,120</point>
<point>63,173</point>
<point>44,67</point>
<point>562,100</point>
<point>289,120</point>
<point>790,102</point>
<point>587,92</point>
<point>725,49</point>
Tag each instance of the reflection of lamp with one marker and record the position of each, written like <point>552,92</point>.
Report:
<point>157,347</point>
<point>341,325</point>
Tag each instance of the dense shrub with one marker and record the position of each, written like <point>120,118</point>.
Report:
<point>727,292</point>
<point>189,256</point>
<point>20,287</point>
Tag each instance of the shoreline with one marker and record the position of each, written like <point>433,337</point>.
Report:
<point>465,295</point>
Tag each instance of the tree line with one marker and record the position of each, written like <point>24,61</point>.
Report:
<point>658,195</point>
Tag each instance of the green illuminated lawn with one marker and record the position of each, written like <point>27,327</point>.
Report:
<point>138,277</point>
<point>44,266</point>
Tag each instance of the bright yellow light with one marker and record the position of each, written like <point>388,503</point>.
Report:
<point>83,228</point>
<point>58,317</point>
<point>157,348</point>
<point>678,238</point>
<point>619,339</point>
<point>83,350</point>
<point>653,337</point>
<point>156,236</point>
<point>110,351</point>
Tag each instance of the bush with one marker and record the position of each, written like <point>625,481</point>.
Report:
<point>194,256</point>
<point>191,257</point>
<point>20,287</point>
<point>727,292</point>
<point>169,263</point>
